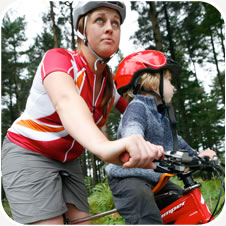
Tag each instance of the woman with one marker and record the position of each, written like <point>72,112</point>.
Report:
<point>71,96</point>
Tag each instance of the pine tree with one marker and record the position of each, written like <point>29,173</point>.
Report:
<point>183,38</point>
<point>14,78</point>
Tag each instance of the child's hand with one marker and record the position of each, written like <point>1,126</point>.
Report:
<point>207,152</point>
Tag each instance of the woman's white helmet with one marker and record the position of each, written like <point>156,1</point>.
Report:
<point>84,7</point>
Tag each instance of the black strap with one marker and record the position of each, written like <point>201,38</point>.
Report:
<point>161,86</point>
<point>147,91</point>
<point>173,125</point>
<point>163,108</point>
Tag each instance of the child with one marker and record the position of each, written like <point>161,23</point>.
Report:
<point>145,78</point>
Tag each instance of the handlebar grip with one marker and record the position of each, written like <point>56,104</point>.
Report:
<point>124,157</point>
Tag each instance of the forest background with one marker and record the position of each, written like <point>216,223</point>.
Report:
<point>192,33</point>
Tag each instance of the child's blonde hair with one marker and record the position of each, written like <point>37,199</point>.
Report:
<point>148,81</point>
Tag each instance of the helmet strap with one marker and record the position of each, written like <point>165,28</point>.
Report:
<point>161,86</point>
<point>98,58</point>
<point>84,25</point>
<point>84,38</point>
<point>80,35</point>
<point>173,125</point>
<point>150,92</point>
<point>137,88</point>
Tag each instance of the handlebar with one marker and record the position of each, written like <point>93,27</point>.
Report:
<point>181,164</point>
<point>178,162</point>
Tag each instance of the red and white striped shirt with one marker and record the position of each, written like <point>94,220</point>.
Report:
<point>39,128</point>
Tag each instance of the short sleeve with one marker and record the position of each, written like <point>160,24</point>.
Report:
<point>121,105</point>
<point>56,60</point>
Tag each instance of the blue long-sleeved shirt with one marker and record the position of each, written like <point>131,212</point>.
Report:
<point>142,117</point>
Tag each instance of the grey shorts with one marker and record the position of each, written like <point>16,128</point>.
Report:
<point>34,187</point>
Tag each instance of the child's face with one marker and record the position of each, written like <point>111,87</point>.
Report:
<point>168,90</point>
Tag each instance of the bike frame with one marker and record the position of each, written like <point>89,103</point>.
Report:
<point>189,209</point>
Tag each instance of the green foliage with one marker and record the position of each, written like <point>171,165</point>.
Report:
<point>190,37</point>
<point>100,201</point>
<point>210,191</point>
<point>113,123</point>
<point>89,184</point>
<point>6,207</point>
<point>14,79</point>
<point>101,197</point>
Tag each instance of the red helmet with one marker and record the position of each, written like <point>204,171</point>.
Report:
<point>137,63</point>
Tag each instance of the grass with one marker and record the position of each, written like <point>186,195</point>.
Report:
<point>100,201</point>
<point>6,207</point>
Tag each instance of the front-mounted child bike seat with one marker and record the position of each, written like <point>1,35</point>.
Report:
<point>162,182</point>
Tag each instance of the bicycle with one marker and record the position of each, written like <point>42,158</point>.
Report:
<point>191,207</point>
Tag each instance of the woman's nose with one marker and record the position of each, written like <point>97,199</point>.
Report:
<point>108,26</point>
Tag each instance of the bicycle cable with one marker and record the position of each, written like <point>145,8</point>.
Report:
<point>215,212</point>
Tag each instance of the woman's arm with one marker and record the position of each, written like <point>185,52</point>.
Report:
<point>77,120</point>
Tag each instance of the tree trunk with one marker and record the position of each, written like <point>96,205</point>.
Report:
<point>16,90</point>
<point>95,181</point>
<point>73,43</point>
<point>16,79</point>
<point>217,67</point>
<point>52,15</point>
<point>222,39</point>
<point>11,110</point>
<point>83,163</point>
<point>178,82</point>
<point>155,24</point>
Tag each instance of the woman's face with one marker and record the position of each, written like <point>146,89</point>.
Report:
<point>103,31</point>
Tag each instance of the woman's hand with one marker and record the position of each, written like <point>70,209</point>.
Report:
<point>142,153</point>
<point>207,152</point>
<point>133,152</point>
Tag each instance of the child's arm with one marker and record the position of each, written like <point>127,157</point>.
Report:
<point>134,122</point>
<point>207,152</point>
<point>183,145</point>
